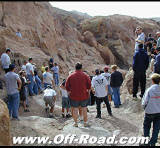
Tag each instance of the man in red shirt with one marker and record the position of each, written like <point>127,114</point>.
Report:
<point>78,85</point>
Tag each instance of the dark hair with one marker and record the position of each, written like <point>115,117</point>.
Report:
<point>97,71</point>
<point>78,66</point>
<point>8,50</point>
<point>140,46</point>
<point>64,82</point>
<point>46,68</point>
<point>149,35</point>
<point>55,64</point>
<point>154,44</point>
<point>29,59</point>
<point>101,71</point>
<point>35,72</point>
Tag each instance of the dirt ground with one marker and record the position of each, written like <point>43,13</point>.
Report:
<point>124,122</point>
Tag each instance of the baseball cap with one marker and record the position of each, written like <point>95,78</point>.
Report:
<point>106,68</point>
<point>12,66</point>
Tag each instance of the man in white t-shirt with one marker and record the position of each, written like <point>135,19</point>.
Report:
<point>30,76</point>
<point>49,98</point>
<point>48,78</point>
<point>5,60</point>
<point>140,37</point>
<point>100,88</point>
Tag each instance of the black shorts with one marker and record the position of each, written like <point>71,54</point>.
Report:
<point>83,103</point>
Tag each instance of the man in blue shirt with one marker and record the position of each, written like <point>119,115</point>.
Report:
<point>140,65</point>
<point>55,70</point>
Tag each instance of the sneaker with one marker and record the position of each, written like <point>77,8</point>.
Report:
<point>68,116</point>
<point>16,119</point>
<point>110,114</point>
<point>26,110</point>
<point>116,106</point>
<point>51,115</point>
<point>75,125</point>
<point>47,109</point>
<point>135,98</point>
<point>98,117</point>
<point>63,116</point>
<point>87,125</point>
<point>141,96</point>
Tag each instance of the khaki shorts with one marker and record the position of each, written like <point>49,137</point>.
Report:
<point>49,100</point>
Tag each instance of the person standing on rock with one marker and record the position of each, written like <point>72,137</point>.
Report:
<point>78,85</point>
<point>13,85</point>
<point>157,61</point>
<point>116,82</point>
<point>55,70</point>
<point>48,78</point>
<point>100,87</point>
<point>151,104</point>
<point>5,60</point>
<point>158,40</point>
<point>30,76</point>
<point>140,38</point>
<point>140,65</point>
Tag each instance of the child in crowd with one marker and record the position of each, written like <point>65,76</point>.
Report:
<point>151,104</point>
<point>65,100</point>
<point>23,91</point>
<point>49,98</point>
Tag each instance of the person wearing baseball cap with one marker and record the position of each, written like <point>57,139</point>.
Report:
<point>13,85</point>
<point>5,60</point>
<point>140,37</point>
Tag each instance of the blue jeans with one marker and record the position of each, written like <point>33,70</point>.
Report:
<point>13,105</point>
<point>38,81</point>
<point>35,88</point>
<point>148,119</point>
<point>56,79</point>
<point>26,94</point>
<point>30,85</point>
<point>116,96</point>
<point>46,84</point>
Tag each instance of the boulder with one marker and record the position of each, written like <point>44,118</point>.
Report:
<point>4,125</point>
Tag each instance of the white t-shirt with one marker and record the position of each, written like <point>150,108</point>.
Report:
<point>64,92</point>
<point>29,67</point>
<point>5,60</point>
<point>24,68</point>
<point>140,37</point>
<point>99,83</point>
<point>49,92</point>
<point>107,76</point>
<point>47,77</point>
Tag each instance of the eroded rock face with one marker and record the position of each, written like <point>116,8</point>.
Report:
<point>48,33</point>
<point>4,125</point>
<point>117,33</point>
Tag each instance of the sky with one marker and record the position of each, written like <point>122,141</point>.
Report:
<point>137,9</point>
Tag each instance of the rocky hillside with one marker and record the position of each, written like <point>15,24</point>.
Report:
<point>45,34</point>
<point>116,32</point>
